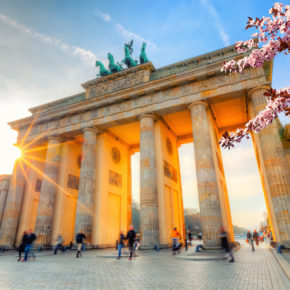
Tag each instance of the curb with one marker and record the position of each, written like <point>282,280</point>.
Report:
<point>284,264</point>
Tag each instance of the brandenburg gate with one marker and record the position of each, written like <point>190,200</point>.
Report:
<point>74,173</point>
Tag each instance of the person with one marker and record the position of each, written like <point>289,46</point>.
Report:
<point>58,244</point>
<point>200,236</point>
<point>22,246</point>
<point>174,236</point>
<point>189,236</point>
<point>137,242</point>
<point>250,238</point>
<point>131,236</point>
<point>120,244</point>
<point>256,237</point>
<point>80,239</point>
<point>31,237</point>
<point>225,244</point>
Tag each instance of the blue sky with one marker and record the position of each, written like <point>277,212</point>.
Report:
<point>48,48</point>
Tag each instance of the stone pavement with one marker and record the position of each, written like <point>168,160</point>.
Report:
<point>258,270</point>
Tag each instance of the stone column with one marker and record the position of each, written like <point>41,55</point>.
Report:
<point>274,170</point>
<point>206,173</point>
<point>48,191</point>
<point>148,184</point>
<point>87,187</point>
<point>12,206</point>
<point>129,190</point>
<point>4,188</point>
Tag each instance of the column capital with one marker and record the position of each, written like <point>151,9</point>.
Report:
<point>152,116</point>
<point>55,138</point>
<point>251,91</point>
<point>91,129</point>
<point>197,103</point>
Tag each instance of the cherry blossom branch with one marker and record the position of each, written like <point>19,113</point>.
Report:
<point>277,102</point>
<point>274,36</point>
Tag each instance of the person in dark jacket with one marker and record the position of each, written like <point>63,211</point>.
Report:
<point>80,239</point>
<point>31,237</point>
<point>23,244</point>
<point>120,244</point>
<point>250,238</point>
<point>131,236</point>
<point>256,237</point>
<point>225,245</point>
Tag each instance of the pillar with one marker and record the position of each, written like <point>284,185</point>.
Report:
<point>148,184</point>
<point>274,170</point>
<point>206,173</point>
<point>4,187</point>
<point>13,205</point>
<point>87,185</point>
<point>48,191</point>
<point>129,190</point>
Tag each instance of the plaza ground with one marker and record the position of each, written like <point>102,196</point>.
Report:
<point>151,270</point>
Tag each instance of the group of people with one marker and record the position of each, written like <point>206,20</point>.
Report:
<point>253,237</point>
<point>133,242</point>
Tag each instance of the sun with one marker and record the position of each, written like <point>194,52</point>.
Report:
<point>15,152</point>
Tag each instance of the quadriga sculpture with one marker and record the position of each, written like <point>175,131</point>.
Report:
<point>143,56</point>
<point>112,66</point>
<point>103,71</point>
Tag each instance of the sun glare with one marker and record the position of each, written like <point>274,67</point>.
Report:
<point>15,152</point>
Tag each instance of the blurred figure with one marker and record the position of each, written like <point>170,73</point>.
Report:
<point>131,236</point>
<point>59,244</point>
<point>31,237</point>
<point>79,240</point>
<point>120,244</point>
<point>225,244</point>
<point>175,244</point>
<point>23,244</point>
<point>200,236</point>
<point>137,242</point>
<point>250,238</point>
<point>256,237</point>
<point>189,235</point>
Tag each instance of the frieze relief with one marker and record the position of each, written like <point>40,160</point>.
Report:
<point>118,84</point>
<point>145,100</point>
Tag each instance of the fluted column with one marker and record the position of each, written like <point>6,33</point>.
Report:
<point>87,187</point>
<point>12,206</point>
<point>48,191</point>
<point>274,170</point>
<point>148,184</point>
<point>206,173</point>
<point>4,188</point>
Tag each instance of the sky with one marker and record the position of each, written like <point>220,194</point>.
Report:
<point>48,48</point>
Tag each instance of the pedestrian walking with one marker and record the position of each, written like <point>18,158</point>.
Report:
<point>22,246</point>
<point>200,236</point>
<point>31,237</point>
<point>256,237</point>
<point>189,235</point>
<point>175,244</point>
<point>59,244</point>
<point>225,245</point>
<point>120,244</point>
<point>250,239</point>
<point>131,236</point>
<point>79,240</point>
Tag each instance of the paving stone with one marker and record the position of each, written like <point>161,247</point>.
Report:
<point>160,270</point>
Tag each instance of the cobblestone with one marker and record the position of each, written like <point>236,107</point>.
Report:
<point>258,270</point>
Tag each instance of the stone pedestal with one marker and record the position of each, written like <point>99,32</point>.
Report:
<point>206,173</point>
<point>13,204</point>
<point>48,191</point>
<point>274,170</point>
<point>148,185</point>
<point>4,188</point>
<point>87,187</point>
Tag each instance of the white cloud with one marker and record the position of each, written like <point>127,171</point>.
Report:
<point>124,32</point>
<point>86,56</point>
<point>217,20</point>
